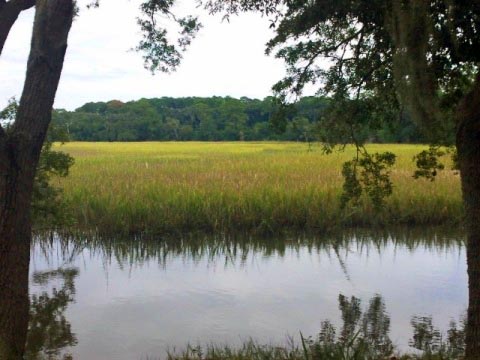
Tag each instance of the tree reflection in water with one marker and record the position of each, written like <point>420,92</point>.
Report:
<point>365,334</point>
<point>49,332</point>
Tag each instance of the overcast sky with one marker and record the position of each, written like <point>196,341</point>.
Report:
<point>225,59</point>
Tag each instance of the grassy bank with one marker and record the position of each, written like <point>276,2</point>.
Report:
<point>315,351</point>
<point>174,187</point>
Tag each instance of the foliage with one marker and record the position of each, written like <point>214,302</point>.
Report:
<point>377,61</point>
<point>8,114</point>
<point>373,178</point>
<point>160,50</point>
<point>213,118</point>
<point>429,163</point>
<point>216,118</point>
<point>48,207</point>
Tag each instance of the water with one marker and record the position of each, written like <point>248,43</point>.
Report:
<point>138,298</point>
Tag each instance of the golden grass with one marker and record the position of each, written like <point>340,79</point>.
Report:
<point>183,186</point>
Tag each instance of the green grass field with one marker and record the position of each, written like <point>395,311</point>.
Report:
<point>172,187</point>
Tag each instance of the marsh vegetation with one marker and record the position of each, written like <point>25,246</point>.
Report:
<point>261,187</point>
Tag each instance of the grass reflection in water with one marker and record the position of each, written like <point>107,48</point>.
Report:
<point>363,335</point>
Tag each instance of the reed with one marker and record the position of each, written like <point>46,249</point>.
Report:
<point>175,187</point>
<point>253,351</point>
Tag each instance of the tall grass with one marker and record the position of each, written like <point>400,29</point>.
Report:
<point>253,351</point>
<point>177,187</point>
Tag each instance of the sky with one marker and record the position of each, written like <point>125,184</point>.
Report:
<point>226,59</point>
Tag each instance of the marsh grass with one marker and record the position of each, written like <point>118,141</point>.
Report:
<point>264,187</point>
<point>364,335</point>
<point>254,351</point>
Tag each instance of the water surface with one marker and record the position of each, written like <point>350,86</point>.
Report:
<point>137,298</point>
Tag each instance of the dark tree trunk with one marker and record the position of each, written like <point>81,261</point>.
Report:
<point>14,253</point>
<point>19,153</point>
<point>9,12</point>
<point>468,146</point>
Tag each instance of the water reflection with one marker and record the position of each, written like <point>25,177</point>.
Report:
<point>49,332</point>
<point>363,335</point>
<point>137,297</point>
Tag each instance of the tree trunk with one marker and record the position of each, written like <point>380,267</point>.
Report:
<point>9,12</point>
<point>19,153</point>
<point>14,254</point>
<point>468,146</point>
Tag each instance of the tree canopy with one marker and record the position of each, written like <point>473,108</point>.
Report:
<point>375,59</point>
<point>214,119</point>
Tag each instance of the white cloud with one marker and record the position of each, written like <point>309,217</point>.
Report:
<point>225,59</point>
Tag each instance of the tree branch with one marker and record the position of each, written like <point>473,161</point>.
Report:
<point>20,4</point>
<point>9,12</point>
<point>27,4</point>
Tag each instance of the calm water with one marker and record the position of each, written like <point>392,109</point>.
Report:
<point>137,298</point>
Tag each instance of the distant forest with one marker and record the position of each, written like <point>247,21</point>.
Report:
<point>213,119</point>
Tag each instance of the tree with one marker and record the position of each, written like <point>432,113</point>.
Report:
<point>20,148</point>
<point>225,117</point>
<point>21,143</point>
<point>380,59</point>
<point>49,210</point>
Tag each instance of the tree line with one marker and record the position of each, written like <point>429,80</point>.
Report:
<point>415,53</point>
<point>216,119</point>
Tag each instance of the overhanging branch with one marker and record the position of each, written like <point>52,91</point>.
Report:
<point>9,12</point>
<point>20,4</point>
